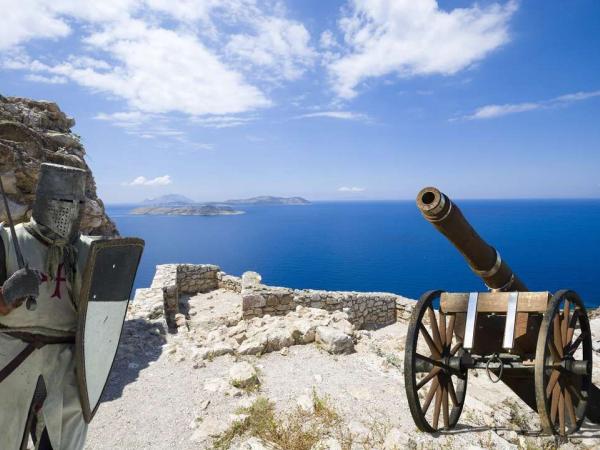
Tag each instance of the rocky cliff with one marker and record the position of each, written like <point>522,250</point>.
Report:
<point>33,132</point>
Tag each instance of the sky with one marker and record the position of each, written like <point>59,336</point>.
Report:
<point>329,100</point>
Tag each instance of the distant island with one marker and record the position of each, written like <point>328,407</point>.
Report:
<point>168,199</point>
<point>186,210</point>
<point>269,200</point>
<point>179,205</point>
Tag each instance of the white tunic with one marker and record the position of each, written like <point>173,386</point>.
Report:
<point>55,316</point>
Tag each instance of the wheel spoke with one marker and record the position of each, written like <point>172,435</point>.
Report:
<point>442,328</point>
<point>432,390</point>
<point>561,412</point>
<point>557,335</point>
<point>554,403</point>
<point>565,322</point>
<point>434,328</point>
<point>433,348</point>
<point>450,330</point>
<point>552,382</point>
<point>574,392</point>
<point>575,344</point>
<point>456,348</point>
<point>436,408</point>
<point>570,409</point>
<point>555,355</point>
<point>445,406</point>
<point>428,377</point>
<point>432,361</point>
<point>452,392</point>
<point>571,329</point>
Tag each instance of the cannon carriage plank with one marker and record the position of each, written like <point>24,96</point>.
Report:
<point>495,302</point>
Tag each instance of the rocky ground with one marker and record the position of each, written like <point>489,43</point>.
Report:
<point>189,390</point>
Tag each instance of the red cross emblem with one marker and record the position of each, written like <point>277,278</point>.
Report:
<point>57,279</point>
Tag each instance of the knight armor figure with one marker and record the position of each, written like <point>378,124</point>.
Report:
<point>38,385</point>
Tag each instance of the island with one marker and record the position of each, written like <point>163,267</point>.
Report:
<point>186,210</point>
<point>169,199</point>
<point>269,200</point>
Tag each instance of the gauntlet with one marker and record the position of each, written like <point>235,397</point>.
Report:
<point>21,284</point>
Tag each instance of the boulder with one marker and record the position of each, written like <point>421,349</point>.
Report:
<point>279,338</point>
<point>305,403</point>
<point>334,341</point>
<point>210,427</point>
<point>242,375</point>
<point>252,347</point>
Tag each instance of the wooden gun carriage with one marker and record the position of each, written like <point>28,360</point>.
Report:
<point>537,343</point>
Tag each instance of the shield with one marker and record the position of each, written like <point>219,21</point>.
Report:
<point>105,291</point>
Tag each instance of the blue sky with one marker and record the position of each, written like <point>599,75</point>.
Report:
<point>336,100</point>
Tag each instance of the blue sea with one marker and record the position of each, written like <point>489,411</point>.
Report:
<point>379,246</point>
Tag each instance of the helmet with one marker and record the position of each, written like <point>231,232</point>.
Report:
<point>59,199</point>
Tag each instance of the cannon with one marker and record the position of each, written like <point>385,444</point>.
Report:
<point>537,343</point>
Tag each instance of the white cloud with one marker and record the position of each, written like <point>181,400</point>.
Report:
<point>351,189</point>
<point>279,45</point>
<point>48,80</point>
<point>343,115</point>
<point>27,20</point>
<point>161,71</point>
<point>327,40</point>
<point>143,181</point>
<point>494,111</point>
<point>408,38</point>
<point>124,118</point>
<point>221,121</point>
<point>163,56</point>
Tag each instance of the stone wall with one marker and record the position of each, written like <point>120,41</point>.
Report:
<point>364,309</point>
<point>171,280</point>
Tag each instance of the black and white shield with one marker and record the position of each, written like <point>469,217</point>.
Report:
<point>105,291</point>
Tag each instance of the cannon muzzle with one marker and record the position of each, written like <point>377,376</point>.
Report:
<point>483,259</point>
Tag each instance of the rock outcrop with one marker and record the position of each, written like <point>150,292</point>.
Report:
<point>33,132</point>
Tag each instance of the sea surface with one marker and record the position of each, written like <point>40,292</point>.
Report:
<point>378,246</point>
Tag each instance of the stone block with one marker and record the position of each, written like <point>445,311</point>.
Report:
<point>250,301</point>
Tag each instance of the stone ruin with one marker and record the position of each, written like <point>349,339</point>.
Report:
<point>363,309</point>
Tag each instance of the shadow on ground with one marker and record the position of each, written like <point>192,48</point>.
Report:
<point>141,343</point>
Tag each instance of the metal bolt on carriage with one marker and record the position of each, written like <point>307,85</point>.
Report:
<point>537,343</point>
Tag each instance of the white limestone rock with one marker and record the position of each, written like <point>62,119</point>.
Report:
<point>210,427</point>
<point>252,347</point>
<point>327,444</point>
<point>242,375</point>
<point>334,341</point>
<point>279,338</point>
<point>306,404</point>
<point>253,443</point>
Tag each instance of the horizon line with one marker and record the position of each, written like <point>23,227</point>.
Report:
<point>387,200</point>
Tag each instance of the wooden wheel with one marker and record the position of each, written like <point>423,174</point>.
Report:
<point>563,364</point>
<point>431,342</point>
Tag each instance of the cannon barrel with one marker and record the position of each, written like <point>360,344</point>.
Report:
<point>483,259</point>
